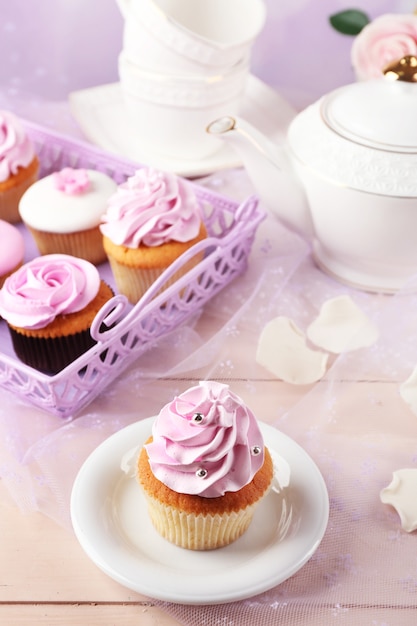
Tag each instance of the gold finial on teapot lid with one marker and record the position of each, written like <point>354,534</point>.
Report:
<point>405,69</point>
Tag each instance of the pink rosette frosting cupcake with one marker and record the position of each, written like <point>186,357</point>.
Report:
<point>19,165</point>
<point>49,305</point>
<point>150,221</point>
<point>205,468</point>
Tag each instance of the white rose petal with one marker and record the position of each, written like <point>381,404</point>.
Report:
<point>283,351</point>
<point>401,494</point>
<point>342,326</point>
<point>408,391</point>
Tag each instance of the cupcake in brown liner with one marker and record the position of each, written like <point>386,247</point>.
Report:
<point>152,219</point>
<point>205,469</point>
<point>63,212</point>
<point>19,165</point>
<point>49,305</point>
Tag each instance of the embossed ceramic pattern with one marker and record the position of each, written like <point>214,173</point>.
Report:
<point>144,48</point>
<point>387,169</point>
<point>215,33</point>
<point>183,91</point>
<point>231,228</point>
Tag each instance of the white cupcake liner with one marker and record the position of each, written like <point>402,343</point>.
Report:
<point>198,532</point>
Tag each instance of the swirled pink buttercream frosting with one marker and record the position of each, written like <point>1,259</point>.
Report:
<point>206,442</point>
<point>48,286</point>
<point>151,208</point>
<point>16,149</point>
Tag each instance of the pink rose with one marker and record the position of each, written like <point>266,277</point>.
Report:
<point>386,39</point>
<point>71,181</point>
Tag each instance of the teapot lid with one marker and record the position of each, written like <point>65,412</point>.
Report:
<point>379,113</point>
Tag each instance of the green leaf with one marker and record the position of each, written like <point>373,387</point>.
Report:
<point>349,22</point>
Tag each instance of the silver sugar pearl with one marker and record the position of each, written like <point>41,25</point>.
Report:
<point>255,450</point>
<point>198,418</point>
<point>201,473</point>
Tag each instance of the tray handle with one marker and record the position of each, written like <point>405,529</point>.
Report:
<point>109,315</point>
<point>111,318</point>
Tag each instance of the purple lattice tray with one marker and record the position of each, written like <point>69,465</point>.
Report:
<point>231,230</point>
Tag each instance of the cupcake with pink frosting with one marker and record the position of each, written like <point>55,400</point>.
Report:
<point>152,219</point>
<point>205,469</point>
<point>63,212</point>
<point>19,165</point>
<point>49,305</point>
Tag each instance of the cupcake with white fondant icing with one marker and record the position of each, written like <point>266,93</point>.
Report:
<point>152,219</point>
<point>49,305</point>
<point>63,212</point>
<point>19,165</point>
<point>205,469</point>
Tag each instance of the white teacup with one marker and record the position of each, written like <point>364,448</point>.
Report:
<point>169,113</point>
<point>215,32</point>
<point>143,47</point>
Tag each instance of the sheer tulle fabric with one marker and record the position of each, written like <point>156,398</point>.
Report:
<point>364,555</point>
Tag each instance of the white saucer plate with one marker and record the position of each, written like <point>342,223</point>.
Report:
<point>101,115</point>
<point>111,523</point>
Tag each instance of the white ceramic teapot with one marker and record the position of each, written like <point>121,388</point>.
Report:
<point>347,177</point>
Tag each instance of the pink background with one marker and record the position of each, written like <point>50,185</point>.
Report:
<point>356,427</point>
<point>51,47</point>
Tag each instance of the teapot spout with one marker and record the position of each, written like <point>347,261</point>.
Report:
<point>270,171</point>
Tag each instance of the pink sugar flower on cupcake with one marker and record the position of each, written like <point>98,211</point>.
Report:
<point>71,181</point>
